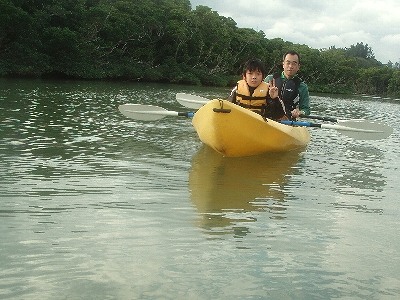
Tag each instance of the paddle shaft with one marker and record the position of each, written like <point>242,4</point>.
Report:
<point>163,113</point>
<point>322,118</point>
<point>195,102</point>
<point>327,126</point>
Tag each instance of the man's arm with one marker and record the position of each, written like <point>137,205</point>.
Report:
<point>304,99</point>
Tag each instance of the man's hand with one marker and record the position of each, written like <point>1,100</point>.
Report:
<point>296,113</point>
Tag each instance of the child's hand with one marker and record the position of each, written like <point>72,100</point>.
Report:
<point>273,90</point>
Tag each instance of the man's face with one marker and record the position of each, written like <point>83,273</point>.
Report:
<point>253,78</point>
<point>291,65</point>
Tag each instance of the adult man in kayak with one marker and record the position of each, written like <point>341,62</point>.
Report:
<point>253,93</point>
<point>292,90</point>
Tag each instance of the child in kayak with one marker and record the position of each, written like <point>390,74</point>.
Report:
<point>253,93</point>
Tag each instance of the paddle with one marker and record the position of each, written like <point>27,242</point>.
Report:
<point>355,123</point>
<point>374,131</point>
<point>195,102</point>
<point>329,119</point>
<point>149,112</point>
<point>152,113</point>
<point>191,101</point>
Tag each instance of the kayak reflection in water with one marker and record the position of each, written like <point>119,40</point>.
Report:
<point>226,190</point>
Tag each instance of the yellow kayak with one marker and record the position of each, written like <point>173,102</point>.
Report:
<point>235,131</point>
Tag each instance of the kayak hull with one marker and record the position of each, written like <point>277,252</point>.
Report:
<point>235,131</point>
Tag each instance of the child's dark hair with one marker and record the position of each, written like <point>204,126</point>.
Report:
<point>254,65</point>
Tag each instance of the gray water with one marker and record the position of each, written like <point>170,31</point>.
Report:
<point>97,206</point>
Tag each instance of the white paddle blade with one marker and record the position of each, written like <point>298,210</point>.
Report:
<point>191,101</point>
<point>374,131</point>
<point>144,112</point>
<point>369,130</point>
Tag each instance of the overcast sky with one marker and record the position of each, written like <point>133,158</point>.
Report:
<point>320,24</point>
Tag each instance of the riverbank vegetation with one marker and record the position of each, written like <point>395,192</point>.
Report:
<point>166,41</point>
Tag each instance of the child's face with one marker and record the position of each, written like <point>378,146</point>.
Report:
<point>253,78</point>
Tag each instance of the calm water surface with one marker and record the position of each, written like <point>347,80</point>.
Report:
<point>98,206</point>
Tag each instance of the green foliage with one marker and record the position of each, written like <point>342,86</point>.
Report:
<point>166,41</point>
<point>374,80</point>
<point>360,50</point>
<point>394,84</point>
